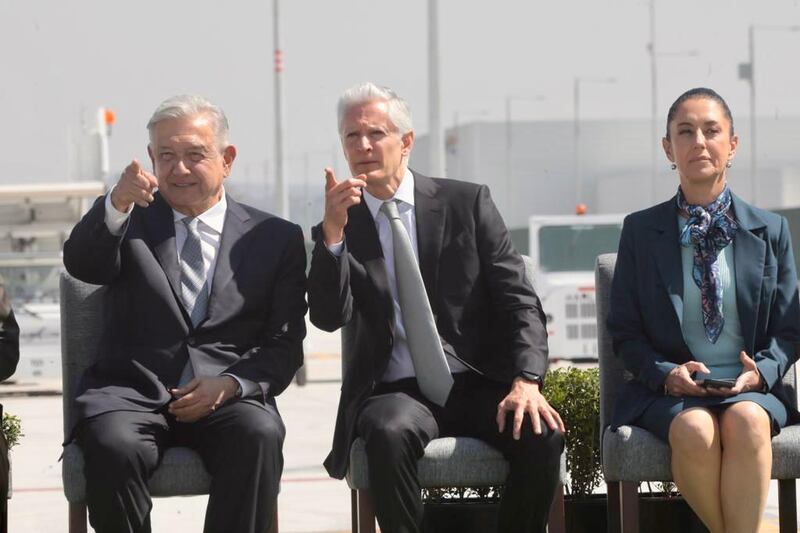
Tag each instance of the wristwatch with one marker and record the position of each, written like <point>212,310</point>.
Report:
<point>532,377</point>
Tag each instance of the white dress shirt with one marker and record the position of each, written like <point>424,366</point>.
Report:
<point>400,363</point>
<point>209,226</point>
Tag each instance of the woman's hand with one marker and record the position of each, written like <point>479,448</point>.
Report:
<point>679,381</point>
<point>749,380</point>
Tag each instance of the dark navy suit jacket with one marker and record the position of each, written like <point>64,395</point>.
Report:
<point>647,301</point>
<point>254,328</point>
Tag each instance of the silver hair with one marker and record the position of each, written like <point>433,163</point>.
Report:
<point>366,92</point>
<point>190,105</point>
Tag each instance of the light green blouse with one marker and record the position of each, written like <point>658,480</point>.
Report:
<point>722,357</point>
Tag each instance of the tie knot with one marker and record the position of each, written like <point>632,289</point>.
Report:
<point>390,209</point>
<point>190,223</point>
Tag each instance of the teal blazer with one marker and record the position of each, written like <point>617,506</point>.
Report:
<point>647,302</point>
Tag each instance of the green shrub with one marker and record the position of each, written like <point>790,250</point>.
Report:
<point>12,429</point>
<point>575,394</point>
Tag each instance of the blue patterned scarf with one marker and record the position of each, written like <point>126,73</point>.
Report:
<point>709,230</point>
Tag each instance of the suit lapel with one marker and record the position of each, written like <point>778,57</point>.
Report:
<point>229,256</point>
<point>160,227</point>
<point>364,244</point>
<point>430,216</point>
<point>748,259</point>
<point>667,252</point>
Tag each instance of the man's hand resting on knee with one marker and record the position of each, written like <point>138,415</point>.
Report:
<point>201,396</point>
<point>525,397</point>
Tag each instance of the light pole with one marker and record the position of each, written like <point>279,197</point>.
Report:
<point>653,101</point>
<point>509,142</point>
<point>281,182</point>
<point>105,120</point>
<point>747,71</point>
<point>576,163</point>
<point>654,55</point>
<point>434,98</point>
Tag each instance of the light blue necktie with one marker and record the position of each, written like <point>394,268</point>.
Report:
<point>430,366</point>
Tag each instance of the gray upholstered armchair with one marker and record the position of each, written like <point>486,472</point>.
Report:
<point>632,454</point>
<point>181,472</point>
<point>448,462</point>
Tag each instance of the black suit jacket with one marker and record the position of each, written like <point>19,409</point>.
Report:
<point>255,323</point>
<point>647,301</point>
<point>9,346</point>
<point>486,312</point>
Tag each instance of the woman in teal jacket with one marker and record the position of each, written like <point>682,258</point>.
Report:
<point>705,288</point>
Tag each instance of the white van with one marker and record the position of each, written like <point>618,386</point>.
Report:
<point>564,250</point>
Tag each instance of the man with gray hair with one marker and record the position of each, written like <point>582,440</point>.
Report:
<point>447,338</point>
<point>204,331</point>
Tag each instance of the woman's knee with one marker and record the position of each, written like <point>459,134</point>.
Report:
<point>694,431</point>
<point>746,426</point>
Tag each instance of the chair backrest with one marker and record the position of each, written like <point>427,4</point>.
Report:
<point>790,382</point>
<point>612,372</point>
<point>348,332</point>
<point>83,312</point>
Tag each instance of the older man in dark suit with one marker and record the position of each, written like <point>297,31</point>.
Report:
<point>205,328</point>
<point>449,337</point>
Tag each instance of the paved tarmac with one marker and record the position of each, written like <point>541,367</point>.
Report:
<point>309,502</point>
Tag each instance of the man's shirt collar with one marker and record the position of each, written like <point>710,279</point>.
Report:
<point>213,218</point>
<point>404,193</point>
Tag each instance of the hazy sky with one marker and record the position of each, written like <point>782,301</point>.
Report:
<point>58,58</point>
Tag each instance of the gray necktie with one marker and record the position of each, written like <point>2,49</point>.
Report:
<point>194,291</point>
<point>193,276</point>
<point>430,365</point>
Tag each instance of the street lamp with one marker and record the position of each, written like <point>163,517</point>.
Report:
<point>654,113</point>
<point>281,180</point>
<point>656,134</point>
<point>509,99</point>
<point>576,163</point>
<point>435,133</point>
<point>747,71</point>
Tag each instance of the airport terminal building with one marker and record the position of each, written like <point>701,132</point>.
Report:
<point>533,168</point>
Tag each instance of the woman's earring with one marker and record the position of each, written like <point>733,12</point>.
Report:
<point>729,164</point>
<point>673,166</point>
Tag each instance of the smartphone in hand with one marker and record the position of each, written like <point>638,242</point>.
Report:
<point>718,383</point>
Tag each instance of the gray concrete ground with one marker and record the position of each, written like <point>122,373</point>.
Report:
<point>309,500</point>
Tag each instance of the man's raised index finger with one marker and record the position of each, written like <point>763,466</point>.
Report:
<point>151,180</point>
<point>330,179</point>
<point>132,170</point>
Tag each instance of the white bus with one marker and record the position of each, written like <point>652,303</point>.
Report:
<point>564,250</point>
